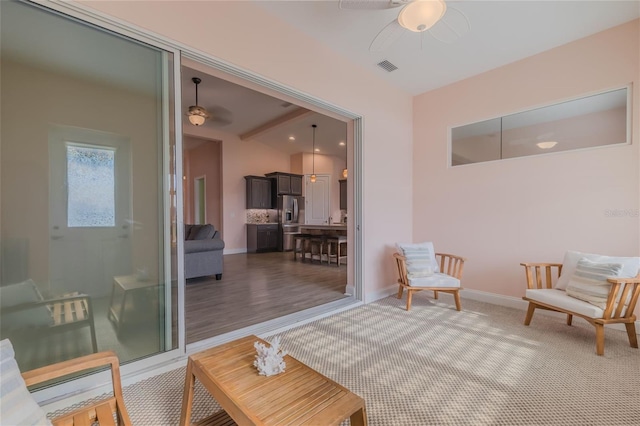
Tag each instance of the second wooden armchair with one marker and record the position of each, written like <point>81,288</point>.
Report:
<point>447,280</point>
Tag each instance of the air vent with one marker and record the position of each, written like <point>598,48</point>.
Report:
<point>387,66</point>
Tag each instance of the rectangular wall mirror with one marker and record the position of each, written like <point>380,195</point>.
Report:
<point>590,121</point>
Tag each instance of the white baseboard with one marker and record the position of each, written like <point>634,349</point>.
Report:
<point>234,251</point>
<point>350,290</point>
<point>486,297</point>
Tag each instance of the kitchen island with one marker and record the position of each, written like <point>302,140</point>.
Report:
<point>337,229</point>
<point>324,242</point>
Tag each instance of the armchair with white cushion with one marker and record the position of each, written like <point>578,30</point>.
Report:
<point>601,289</point>
<point>421,268</point>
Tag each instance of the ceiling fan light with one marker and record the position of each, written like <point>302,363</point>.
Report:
<point>420,15</point>
<point>547,144</point>
<point>196,120</point>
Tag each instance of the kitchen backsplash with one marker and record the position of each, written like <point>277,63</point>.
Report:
<point>261,216</point>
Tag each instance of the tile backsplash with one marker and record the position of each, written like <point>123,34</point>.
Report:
<point>261,216</point>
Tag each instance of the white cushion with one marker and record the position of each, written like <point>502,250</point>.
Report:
<point>589,281</point>
<point>561,299</point>
<point>23,293</point>
<point>436,280</point>
<point>17,406</point>
<point>19,293</point>
<point>630,265</point>
<point>420,258</point>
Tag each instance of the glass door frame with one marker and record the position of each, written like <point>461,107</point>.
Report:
<point>87,385</point>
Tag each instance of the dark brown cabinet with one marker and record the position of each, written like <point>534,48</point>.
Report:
<point>258,192</point>
<point>343,194</point>
<point>262,237</point>
<point>286,183</point>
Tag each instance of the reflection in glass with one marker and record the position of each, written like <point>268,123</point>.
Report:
<point>591,121</point>
<point>83,189</point>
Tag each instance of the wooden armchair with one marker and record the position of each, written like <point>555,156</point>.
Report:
<point>101,412</point>
<point>542,294</point>
<point>447,281</point>
<point>69,311</point>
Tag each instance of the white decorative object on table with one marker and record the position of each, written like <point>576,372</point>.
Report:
<point>269,360</point>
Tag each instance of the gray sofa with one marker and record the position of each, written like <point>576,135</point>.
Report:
<point>203,249</point>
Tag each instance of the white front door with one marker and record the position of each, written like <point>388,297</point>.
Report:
<point>317,196</point>
<point>90,210</point>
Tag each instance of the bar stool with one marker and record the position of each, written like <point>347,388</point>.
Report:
<point>316,246</point>
<point>300,245</point>
<point>340,245</point>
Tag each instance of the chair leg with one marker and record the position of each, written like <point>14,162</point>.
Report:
<point>400,290</point>
<point>456,297</point>
<point>569,319</point>
<point>527,319</point>
<point>409,294</point>
<point>599,339</point>
<point>631,332</point>
<point>435,295</point>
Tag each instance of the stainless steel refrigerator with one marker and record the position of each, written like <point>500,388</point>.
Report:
<point>290,217</point>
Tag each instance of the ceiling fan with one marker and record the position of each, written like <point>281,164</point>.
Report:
<point>198,115</point>
<point>445,24</point>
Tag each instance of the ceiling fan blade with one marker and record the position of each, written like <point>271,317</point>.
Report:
<point>220,115</point>
<point>451,27</point>
<point>371,4</point>
<point>387,36</point>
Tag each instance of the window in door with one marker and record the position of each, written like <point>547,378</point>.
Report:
<point>90,186</point>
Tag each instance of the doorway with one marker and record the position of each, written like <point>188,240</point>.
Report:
<point>200,200</point>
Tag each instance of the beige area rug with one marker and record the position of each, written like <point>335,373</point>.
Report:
<point>436,366</point>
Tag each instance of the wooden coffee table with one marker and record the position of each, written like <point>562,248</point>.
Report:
<point>299,396</point>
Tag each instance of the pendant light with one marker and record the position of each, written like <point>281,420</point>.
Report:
<point>313,174</point>
<point>197,115</point>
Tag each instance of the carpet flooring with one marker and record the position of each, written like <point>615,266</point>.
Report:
<point>436,366</point>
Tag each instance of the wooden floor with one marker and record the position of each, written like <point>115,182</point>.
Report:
<point>255,288</point>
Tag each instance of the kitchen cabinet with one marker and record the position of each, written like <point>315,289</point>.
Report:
<point>262,237</point>
<point>343,194</point>
<point>258,192</point>
<point>286,183</point>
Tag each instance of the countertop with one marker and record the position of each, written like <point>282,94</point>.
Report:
<point>263,223</point>
<point>336,226</point>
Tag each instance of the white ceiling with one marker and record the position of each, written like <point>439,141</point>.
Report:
<point>500,32</point>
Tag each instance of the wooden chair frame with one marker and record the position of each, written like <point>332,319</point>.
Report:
<point>540,276</point>
<point>450,264</point>
<point>101,411</point>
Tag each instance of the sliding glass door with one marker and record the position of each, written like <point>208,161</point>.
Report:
<point>88,190</point>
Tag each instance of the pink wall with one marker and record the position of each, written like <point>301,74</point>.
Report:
<point>501,213</point>
<point>245,35</point>
<point>203,160</point>
<point>239,159</point>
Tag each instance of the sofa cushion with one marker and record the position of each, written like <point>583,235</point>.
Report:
<point>420,259</point>
<point>589,281</point>
<point>630,265</point>
<point>197,246</point>
<point>561,299</point>
<point>435,280</point>
<point>187,230</point>
<point>201,232</point>
<point>17,405</point>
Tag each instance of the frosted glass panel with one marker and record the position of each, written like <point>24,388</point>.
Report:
<point>91,186</point>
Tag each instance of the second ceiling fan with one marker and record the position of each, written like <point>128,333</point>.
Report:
<point>444,23</point>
